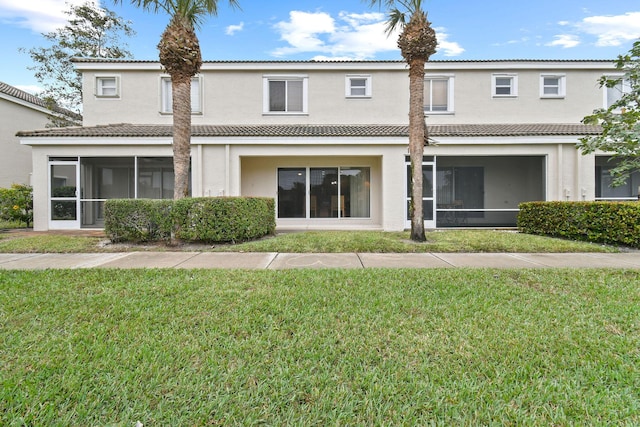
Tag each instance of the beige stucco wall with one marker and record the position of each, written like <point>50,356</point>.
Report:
<point>15,159</point>
<point>248,168</point>
<point>237,97</point>
<point>474,102</point>
<point>234,94</point>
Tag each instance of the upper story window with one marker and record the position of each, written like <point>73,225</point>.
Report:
<point>614,93</point>
<point>438,94</point>
<point>552,85</point>
<point>504,85</point>
<point>166,98</point>
<point>285,94</point>
<point>107,87</point>
<point>358,86</point>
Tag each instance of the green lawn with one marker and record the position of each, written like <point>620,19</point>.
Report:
<point>321,241</point>
<point>320,347</point>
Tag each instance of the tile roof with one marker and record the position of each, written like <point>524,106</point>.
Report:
<point>14,92</point>
<point>125,130</point>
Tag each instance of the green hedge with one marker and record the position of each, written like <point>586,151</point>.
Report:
<point>615,223</point>
<point>16,204</point>
<point>206,219</point>
<point>138,220</point>
<point>224,219</point>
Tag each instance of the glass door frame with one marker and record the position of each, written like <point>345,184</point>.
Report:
<point>70,224</point>
<point>426,161</point>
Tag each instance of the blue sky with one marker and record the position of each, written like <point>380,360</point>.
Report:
<point>349,29</point>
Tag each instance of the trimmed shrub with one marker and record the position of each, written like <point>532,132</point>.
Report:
<point>138,220</point>
<point>615,223</point>
<point>16,203</point>
<point>205,219</point>
<point>224,219</point>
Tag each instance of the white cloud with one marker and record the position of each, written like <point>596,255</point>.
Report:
<point>302,32</point>
<point>232,29</point>
<point>612,30</point>
<point>349,36</point>
<point>445,46</point>
<point>565,41</point>
<point>37,15</point>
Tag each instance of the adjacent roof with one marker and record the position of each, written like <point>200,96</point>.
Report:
<point>21,95</point>
<point>463,130</point>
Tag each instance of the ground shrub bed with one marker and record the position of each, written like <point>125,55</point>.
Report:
<point>224,219</point>
<point>138,220</point>
<point>204,219</point>
<point>616,223</point>
<point>16,204</point>
<point>320,347</point>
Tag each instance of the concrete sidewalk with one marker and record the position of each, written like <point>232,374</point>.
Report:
<point>282,261</point>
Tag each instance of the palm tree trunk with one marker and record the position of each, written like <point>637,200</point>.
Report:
<point>416,146</point>
<point>181,88</point>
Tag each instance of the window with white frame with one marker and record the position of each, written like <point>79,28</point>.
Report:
<point>166,98</point>
<point>614,93</point>
<point>285,94</point>
<point>107,87</point>
<point>552,85</point>
<point>438,94</point>
<point>358,86</point>
<point>504,85</point>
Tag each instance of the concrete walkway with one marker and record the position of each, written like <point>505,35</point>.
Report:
<point>282,261</point>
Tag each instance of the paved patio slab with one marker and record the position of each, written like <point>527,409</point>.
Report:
<point>44,261</point>
<point>423,260</point>
<point>343,260</point>
<point>584,260</point>
<point>149,260</point>
<point>11,261</point>
<point>229,260</point>
<point>486,260</point>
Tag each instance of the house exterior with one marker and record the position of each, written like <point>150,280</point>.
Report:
<point>328,140</point>
<point>20,110</point>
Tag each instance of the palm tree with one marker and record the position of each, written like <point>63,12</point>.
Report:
<point>181,57</point>
<point>417,42</point>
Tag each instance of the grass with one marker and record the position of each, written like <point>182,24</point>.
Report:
<point>53,243</point>
<point>324,241</point>
<point>439,241</point>
<point>320,347</point>
<point>8,225</point>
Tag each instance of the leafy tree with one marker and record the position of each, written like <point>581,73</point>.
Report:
<point>621,121</point>
<point>181,57</point>
<point>417,42</point>
<point>91,32</point>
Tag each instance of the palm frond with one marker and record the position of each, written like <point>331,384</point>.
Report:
<point>194,11</point>
<point>387,4</point>
<point>396,19</point>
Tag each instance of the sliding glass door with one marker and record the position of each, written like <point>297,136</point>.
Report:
<point>333,192</point>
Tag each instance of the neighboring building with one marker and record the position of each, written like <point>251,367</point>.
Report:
<point>328,140</point>
<point>20,110</point>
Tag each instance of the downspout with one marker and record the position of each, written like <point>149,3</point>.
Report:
<point>579,171</point>
<point>560,176</point>
<point>199,171</point>
<point>227,172</point>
